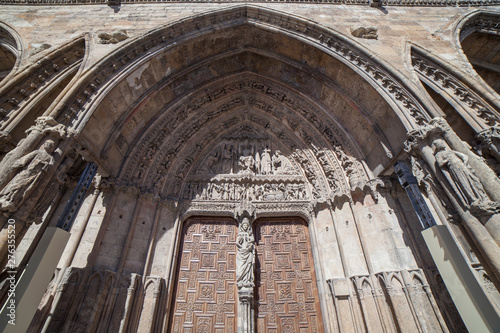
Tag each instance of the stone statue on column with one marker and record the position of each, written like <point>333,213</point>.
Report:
<point>33,165</point>
<point>245,257</point>
<point>245,267</point>
<point>461,177</point>
<point>44,127</point>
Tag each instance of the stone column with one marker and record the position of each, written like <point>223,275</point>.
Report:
<point>245,310</point>
<point>463,188</point>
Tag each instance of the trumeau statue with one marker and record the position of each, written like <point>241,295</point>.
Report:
<point>245,258</point>
<point>460,175</point>
<point>34,165</point>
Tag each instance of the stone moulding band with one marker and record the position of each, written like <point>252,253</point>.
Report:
<point>304,209</point>
<point>417,3</point>
<point>484,22</point>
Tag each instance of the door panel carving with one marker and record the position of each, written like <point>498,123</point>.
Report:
<point>287,298</point>
<point>205,295</point>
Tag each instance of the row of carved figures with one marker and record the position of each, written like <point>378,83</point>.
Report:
<point>246,158</point>
<point>245,191</point>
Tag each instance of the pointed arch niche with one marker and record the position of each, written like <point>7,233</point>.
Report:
<point>10,51</point>
<point>246,105</point>
<point>480,42</point>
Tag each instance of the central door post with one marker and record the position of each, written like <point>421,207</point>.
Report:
<point>245,272</point>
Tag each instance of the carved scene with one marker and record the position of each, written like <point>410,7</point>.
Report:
<point>246,169</point>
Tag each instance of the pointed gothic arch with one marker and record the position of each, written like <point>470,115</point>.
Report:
<point>480,110</point>
<point>158,115</point>
<point>473,35</point>
<point>11,50</point>
<point>30,93</point>
<point>375,95</point>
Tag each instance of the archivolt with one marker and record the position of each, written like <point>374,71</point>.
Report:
<point>11,41</point>
<point>485,25</point>
<point>36,84</point>
<point>142,106</point>
<point>78,107</point>
<point>472,104</point>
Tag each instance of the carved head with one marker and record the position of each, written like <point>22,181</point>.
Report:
<point>439,145</point>
<point>49,146</point>
<point>245,225</point>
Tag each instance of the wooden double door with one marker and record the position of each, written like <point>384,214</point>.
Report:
<point>286,297</point>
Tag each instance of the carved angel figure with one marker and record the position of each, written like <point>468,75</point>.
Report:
<point>458,172</point>
<point>245,258</point>
<point>34,165</point>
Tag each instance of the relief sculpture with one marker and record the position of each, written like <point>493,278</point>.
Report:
<point>227,190</point>
<point>246,158</point>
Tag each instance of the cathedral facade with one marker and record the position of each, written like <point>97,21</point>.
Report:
<point>250,166</point>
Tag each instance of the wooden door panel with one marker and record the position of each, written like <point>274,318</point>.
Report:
<point>287,298</point>
<point>205,295</point>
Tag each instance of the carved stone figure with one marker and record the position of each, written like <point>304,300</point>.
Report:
<point>246,161</point>
<point>34,165</point>
<point>5,142</point>
<point>245,258</point>
<point>365,32</point>
<point>227,159</point>
<point>461,177</point>
<point>281,165</point>
<point>265,163</point>
<point>113,37</point>
<point>257,163</point>
<point>210,163</point>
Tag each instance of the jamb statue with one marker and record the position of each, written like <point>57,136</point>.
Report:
<point>460,176</point>
<point>34,165</point>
